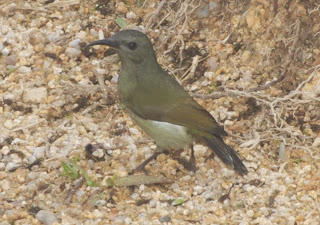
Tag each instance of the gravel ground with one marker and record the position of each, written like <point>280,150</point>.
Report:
<point>253,64</point>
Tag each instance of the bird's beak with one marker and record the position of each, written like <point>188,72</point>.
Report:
<point>110,42</point>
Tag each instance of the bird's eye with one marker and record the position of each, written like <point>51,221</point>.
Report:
<point>132,45</point>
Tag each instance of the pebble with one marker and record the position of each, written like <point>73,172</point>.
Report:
<point>204,83</point>
<point>316,142</point>
<point>312,88</point>
<point>46,217</point>
<point>253,20</point>
<point>75,43</point>
<point>34,95</point>
<point>131,15</point>
<point>2,166</point>
<point>4,29</point>
<point>12,166</point>
<point>25,53</point>
<point>73,52</point>
<point>9,124</point>
<point>165,219</point>
<point>11,60</point>
<point>6,51</point>
<point>36,37</point>
<point>121,8</point>
<point>115,79</point>
<point>39,152</point>
<point>100,34</point>
<point>209,75</point>
<point>5,150</point>
<point>203,10</point>
<point>246,55</point>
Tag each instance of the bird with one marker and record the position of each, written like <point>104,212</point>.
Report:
<point>161,107</point>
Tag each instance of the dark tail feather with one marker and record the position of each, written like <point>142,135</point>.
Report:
<point>226,154</point>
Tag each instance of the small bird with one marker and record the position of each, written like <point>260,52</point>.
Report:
<point>160,105</point>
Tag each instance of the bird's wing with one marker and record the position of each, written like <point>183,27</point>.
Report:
<point>173,106</point>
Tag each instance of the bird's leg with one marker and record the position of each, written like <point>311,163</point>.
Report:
<point>142,166</point>
<point>211,156</point>
<point>192,159</point>
<point>188,164</point>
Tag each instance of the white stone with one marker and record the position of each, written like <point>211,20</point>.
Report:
<point>72,52</point>
<point>25,69</point>
<point>209,75</point>
<point>39,152</point>
<point>34,95</point>
<point>316,142</point>
<point>9,124</point>
<point>131,15</point>
<point>46,217</point>
<point>100,35</point>
<point>2,166</point>
<point>5,150</point>
<point>75,43</point>
<point>12,166</point>
<point>5,51</point>
<point>25,53</point>
<point>4,29</point>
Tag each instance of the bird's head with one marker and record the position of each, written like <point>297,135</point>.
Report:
<point>131,45</point>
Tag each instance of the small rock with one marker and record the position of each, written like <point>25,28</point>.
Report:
<point>2,166</point>
<point>36,37</point>
<point>34,95</point>
<point>115,79</point>
<point>165,219</point>
<point>5,150</point>
<point>204,83</point>
<point>253,20</point>
<point>46,217</point>
<point>91,127</point>
<point>100,34</point>
<point>193,87</point>
<point>312,88</point>
<point>39,152</point>
<point>131,15</point>
<point>6,51</point>
<point>316,142</point>
<point>11,60</point>
<point>72,52</point>
<point>25,69</point>
<point>25,54</point>
<point>4,29</point>
<point>134,131</point>
<point>209,75</point>
<point>121,8</point>
<point>228,123</point>
<point>12,166</point>
<point>9,124</point>
<point>31,159</point>
<point>75,43</point>
<point>203,10</point>
<point>246,55</point>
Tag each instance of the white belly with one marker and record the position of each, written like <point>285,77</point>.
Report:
<point>166,135</point>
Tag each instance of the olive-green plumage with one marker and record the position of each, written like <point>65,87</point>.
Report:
<point>160,105</point>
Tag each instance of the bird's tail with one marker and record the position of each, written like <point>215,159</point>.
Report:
<point>226,153</point>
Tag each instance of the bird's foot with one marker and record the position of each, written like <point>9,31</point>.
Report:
<point>142,166</point>
<point>188,164</point>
